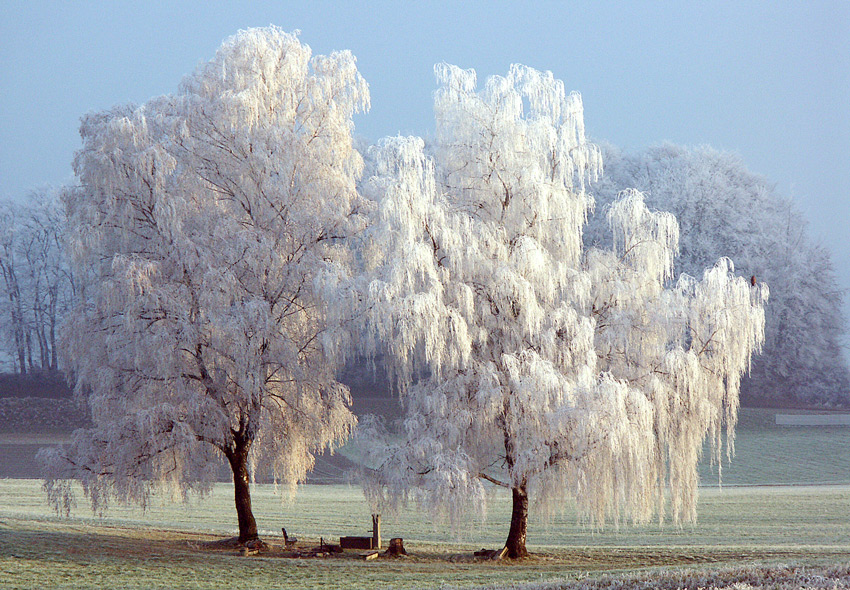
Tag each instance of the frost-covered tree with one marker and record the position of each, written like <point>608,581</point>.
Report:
<point>37,284</point>
<point>725,210</point>
<point>211,232</point>
<point>13,299</point>
<point>523,358</point>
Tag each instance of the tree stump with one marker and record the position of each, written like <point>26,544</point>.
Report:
<point>396,547</point>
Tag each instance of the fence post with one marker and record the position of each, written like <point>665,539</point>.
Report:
<point>376,531</point>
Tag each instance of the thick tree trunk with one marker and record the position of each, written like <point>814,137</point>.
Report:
<point>519,523</point>
<point>239,465</point>
<point>42,349</point>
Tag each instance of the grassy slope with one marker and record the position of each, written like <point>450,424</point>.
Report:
<point>769,454</point>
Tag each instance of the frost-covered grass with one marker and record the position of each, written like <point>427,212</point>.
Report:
<point>737,526</point>
<point>780,577</point>
<point>771,454</point>
<point>777,517</point>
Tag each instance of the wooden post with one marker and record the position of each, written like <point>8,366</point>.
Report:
<point>376,531</point>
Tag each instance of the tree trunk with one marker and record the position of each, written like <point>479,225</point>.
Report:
<point>239,465</point>
<point>30,363</point>
<point>17,324</point>
<point>519,523</point>
<point>54,362</point>
<point>19,345</point>
<point>38,325</point>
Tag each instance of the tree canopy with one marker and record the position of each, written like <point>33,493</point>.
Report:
<point>525,359</point>
<point>211,233</point>
<point>725,210</point>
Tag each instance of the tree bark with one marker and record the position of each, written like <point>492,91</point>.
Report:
<point>54,361</point>
<point>519,523</point>
<point>30,363</point>
<point>17,318</point>
<point>238,459</point>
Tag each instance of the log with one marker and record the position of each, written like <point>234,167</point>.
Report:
<point>253,547</point>
<point>492,554</point>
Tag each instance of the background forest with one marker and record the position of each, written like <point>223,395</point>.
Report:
<point>723,209</point>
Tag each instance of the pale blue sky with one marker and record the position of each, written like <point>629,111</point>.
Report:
<point>769,80</point>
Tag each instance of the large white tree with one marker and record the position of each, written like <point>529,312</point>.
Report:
<point>211,232</point>
<point>523,358</point>
<point>725,210</point>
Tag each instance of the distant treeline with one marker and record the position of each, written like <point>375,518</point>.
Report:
<point>47,384</point>
<point>35,280</point>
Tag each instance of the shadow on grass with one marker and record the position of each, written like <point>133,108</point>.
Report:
<point>56,540</point>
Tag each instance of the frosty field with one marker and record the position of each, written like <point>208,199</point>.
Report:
<point>746,522</point>
<point>801,525</point>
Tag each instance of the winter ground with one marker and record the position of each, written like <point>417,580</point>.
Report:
<point>746,531</point>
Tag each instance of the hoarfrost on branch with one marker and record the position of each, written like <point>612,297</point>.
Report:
<point>523,358</point>
<point>212,233</point>
<point>725,210</point>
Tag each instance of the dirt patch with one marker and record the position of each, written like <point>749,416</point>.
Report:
<point>583,559</point>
